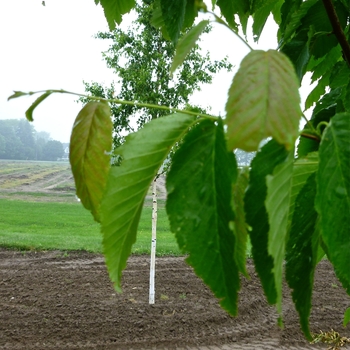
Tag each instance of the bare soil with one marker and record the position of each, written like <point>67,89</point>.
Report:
<point>52,300</point>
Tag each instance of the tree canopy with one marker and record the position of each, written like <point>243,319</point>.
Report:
<point>141,58</point>
<point>293,204</point>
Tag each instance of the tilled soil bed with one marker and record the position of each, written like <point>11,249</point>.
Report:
<point>52,300</point>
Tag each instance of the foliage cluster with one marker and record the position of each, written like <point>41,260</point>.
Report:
<point>19,140</point>
<point>293,204</point>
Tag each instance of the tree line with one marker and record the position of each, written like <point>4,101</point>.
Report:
<point>19,140</point>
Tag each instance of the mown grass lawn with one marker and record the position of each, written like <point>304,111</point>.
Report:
<point>68,226</point>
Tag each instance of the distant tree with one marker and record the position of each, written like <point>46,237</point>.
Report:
<point>53,150</point>
<point>25,133</point>
<point>141,58</point>
<point>43,135</point>
<point>13,144</point>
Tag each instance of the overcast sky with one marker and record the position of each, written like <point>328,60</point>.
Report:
<point>52,47</point>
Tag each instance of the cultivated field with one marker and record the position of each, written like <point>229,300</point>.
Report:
<point>63,299</point>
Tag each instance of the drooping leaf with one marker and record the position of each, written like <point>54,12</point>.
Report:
<point>302,249</point>
<point>30,110</point>
<point>262,165</point>
<point>240,226</point>
<point>279,188</point>
<point>263,101</point>
<point>229,8</point>
<point>115,9</point>
<point>90,141</point>
<point>142,154</point>
<point>174,16</point>
<point>302,170</point>
<point>17,94</point>
<point>261,11</point>
<point>346,317</point>
<point>333,191</point>
<point>187,42</point>
<point>199,188</point>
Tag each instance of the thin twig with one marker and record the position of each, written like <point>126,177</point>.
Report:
<point>337,29</point>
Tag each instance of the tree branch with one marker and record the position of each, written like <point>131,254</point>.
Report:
<point>337,29</point>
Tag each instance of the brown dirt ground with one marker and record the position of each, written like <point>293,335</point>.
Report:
<point>51,300</point>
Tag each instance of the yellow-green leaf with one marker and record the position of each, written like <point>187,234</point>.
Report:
<point>263,101</point>
<point>90,142</point>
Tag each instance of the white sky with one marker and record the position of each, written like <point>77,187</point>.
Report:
<point>52,47</point>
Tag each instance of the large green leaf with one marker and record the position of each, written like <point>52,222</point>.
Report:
<point>279,187</point>
<point>240,226</point>
<point>186,44</point>
<point>302,169</point>
<point>302,249</point>
<point>115,9</point>
<point>174,16</point>
<point>90,142</point>
<point>262,165</point>
<point>199,188</point>
<point>333,194</point>
<point>142,154</point>
<point>263,101</point>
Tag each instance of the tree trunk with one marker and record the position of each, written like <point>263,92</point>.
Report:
<point>153,245</point>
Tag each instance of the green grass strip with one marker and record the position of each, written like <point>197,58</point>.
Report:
<point>68,226</point>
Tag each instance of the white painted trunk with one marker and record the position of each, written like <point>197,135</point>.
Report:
<point>153,245</point>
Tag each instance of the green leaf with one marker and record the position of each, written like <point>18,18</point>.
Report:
<point>318,91</point>
<point>229,8</point>
<point>261,11</point>
<point>346,317</point>
<point>263,101</point>
<point>115,9</point>
<point>174,16</point>
<point>142,154</point>
<point>17,94</point>
<point>302,248</point>
<point>187,42</point>
<point>333,194</point>
<point>277,204</point>
<point>240,226</point>
<point>90,142</point>
<point>302,169</point>
<point>296,19</point>
<point>199,209</point>
<point>30,110</point>
<point>321,66</point>
<point>297,51</point>
<point>262,165</point>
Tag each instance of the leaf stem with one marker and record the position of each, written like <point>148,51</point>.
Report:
<point>310,136</point>
<point>125,102</point>
<point>310,125</point>
<point>337,29</point>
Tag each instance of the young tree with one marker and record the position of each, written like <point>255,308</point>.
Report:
<point>296,204</point>
<point>141,59</point>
